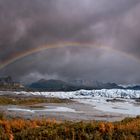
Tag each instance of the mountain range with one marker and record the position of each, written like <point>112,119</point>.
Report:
<point>59,85</point>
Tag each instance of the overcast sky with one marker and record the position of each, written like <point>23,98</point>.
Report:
<point>107,31</point>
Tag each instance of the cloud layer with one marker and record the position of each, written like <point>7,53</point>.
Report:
<point>114,25</point>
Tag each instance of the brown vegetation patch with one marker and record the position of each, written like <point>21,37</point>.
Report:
<point>128,129</point>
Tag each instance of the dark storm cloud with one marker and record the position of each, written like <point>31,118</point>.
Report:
<point>128,36</point>
<point>32,23</point>
<point>77,63</point>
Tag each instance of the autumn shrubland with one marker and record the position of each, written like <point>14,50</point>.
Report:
<point>50,129</point>
<point>5,100</point>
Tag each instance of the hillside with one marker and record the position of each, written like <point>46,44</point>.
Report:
<point>58,85</point>
<point>55,85</point>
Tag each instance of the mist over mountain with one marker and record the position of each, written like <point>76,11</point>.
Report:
<point>56,85</point>
<point>59,85</point>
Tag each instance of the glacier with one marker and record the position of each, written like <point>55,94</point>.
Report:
<point>97,99</point>
<point>108,93</point>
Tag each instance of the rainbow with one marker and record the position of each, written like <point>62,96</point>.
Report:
<point>30,51</point>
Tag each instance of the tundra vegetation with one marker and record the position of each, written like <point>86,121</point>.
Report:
<point>50,129</point>
<point>11,100</point>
